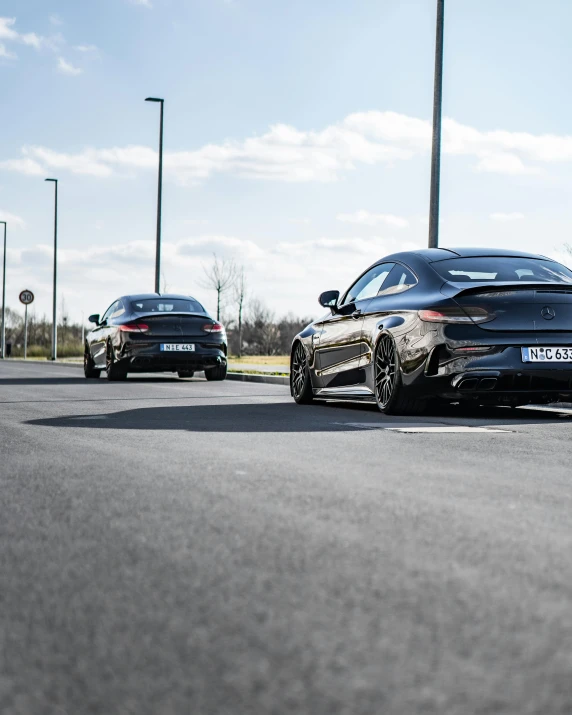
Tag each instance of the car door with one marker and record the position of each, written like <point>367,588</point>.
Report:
<point>98,339</point>
<point>393,307</point>
<point>339,351</point>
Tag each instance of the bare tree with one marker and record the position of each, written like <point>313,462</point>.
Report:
<point>165,288</point>
<point>220,276</point>
<point>263,332</point>
<point>239,298</point>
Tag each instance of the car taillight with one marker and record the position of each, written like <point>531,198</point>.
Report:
<point>453,314</point>
<point>474,349</point>
<point>134,328</point>
<point>213,328</point>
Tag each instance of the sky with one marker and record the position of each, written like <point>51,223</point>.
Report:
<point>297,140</point>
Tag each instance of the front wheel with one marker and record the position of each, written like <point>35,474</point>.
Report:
<point>391,397</point>
<point>300,382</point>
<point>89,369</point>
<point>216,373</point>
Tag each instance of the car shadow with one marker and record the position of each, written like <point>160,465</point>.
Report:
<point>281,417</point>
<point>255,417</point>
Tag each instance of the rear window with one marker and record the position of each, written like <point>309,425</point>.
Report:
<point>494,269</point>
<point>167,305</point>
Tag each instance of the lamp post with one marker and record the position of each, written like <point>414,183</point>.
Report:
<point>436,147</point>
<point>54,311</point>
<point>159,197</point>
<point>3,342</point>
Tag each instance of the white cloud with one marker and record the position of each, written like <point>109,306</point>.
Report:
<point>5,53</point>
<point>285,153</point>
<point>12,219</point>
<point>10,35</point>
<point>143,3</point>
<point>56,20</point>
<point>23,166</point>
<point>505,164</point>
<point>368,219</point>
<point>500,216</point>
<point>67,68</point>
<point>300,220</point>
<point>85,48</point>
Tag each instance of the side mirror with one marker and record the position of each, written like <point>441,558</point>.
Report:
<point>329,299</point>
<point>94,318</point>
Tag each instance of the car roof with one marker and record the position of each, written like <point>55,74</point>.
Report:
<point>432,255</point>
<point>148,296</point>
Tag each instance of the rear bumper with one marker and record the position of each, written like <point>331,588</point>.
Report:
<point>150,358</point>
<point>500,375</point>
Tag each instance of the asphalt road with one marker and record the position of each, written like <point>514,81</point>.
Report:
<point>211,548</point>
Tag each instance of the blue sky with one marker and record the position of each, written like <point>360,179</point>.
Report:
<point>296,138</point>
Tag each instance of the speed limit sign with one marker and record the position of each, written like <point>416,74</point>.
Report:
<point>26,297</point>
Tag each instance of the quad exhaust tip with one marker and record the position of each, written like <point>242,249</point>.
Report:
<point>474,383</point>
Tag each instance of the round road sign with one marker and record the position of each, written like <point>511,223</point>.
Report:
<point>26,297</point>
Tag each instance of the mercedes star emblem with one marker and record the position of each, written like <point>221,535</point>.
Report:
<point>548,313</point>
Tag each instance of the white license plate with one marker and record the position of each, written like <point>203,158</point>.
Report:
<point>178,347</point>
<point>546,354</point>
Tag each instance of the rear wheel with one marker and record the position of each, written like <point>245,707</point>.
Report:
<point>89,369</point>
<point>391,397</point>
<point>115,370</point>
<point>216,373</point>
<point>300,383</point>
<point>185,373</point>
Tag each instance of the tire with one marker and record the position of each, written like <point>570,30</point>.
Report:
<point>89,369</point>
<point>114,370</point>
<point>391,397</point>
<point>216,373</point>
<point>185,373</point>
<point>300,382</point>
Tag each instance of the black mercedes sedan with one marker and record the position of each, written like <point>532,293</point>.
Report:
<point>153,332</point>
<point>458,324</point>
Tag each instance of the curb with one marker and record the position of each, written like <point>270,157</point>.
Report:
<point>42,362</point>
<point>254,377</point>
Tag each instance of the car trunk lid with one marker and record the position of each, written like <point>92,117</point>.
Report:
<point>518,306</point>
<point>175,325</point>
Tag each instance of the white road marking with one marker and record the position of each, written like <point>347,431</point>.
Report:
<point>446,428</point>
<point>418,427</point>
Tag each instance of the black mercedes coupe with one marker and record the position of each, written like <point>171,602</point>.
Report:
<point>458,324</point>
<point>152,332</point>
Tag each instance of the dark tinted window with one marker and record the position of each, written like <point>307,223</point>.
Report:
<point>109,311</point>
<point>493,269</point>
<point>118,310</point>
<point>399,280</point>
<point>167,305</point>
<point>369,284</point>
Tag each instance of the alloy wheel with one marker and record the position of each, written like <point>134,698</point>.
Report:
<point>385,370</point>
<point>298,370</point>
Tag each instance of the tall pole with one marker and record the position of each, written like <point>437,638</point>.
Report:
<point>26,332</point>
<point>3,345</point>
<point>159,197</point>
<point>54,307</point>
<point>436,148</point>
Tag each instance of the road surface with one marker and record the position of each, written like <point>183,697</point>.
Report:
<point>182,547</point>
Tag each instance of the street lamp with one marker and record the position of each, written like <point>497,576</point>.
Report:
<point>54,313</point>
<point>159,196</point>
<point>436,148</point>
<point>3,342</point>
